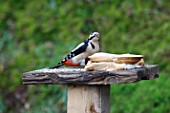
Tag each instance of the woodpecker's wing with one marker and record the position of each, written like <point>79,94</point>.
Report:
<point>79,49</point>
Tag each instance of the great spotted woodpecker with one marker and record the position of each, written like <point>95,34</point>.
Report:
<point>82,51</point>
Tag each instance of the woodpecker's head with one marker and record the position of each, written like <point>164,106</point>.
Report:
<point>94,36</point>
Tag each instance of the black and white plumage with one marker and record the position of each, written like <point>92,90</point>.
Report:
<point>82,51</point>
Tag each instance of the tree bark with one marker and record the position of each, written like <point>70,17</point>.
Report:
<point>80,76</point>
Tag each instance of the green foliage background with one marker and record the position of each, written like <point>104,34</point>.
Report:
<point>38,33</point>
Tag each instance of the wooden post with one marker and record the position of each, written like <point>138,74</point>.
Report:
<point>88,99</point>
<point>89,91</point>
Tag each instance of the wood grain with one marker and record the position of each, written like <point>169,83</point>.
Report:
<point>88,99</point>
<point>80,76</point>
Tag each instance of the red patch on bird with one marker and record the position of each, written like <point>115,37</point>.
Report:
<point>69,63</point>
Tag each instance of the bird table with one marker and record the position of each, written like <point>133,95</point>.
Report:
<point>89,91</point>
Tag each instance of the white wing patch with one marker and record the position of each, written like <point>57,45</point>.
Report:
<point>81,44</point>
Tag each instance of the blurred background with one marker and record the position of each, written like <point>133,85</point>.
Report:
<point>36,34</point>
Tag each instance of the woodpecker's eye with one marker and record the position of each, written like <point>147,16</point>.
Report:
<point>93,35</point>
<point>97,35</point>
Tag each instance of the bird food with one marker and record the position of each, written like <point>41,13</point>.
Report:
<point>110,62</point>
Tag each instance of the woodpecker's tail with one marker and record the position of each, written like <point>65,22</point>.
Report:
<point>58,65</point>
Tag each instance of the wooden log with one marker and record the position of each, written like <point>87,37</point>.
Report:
<point>80,76</point>
<point>88,99</point>
<point>89,91</point>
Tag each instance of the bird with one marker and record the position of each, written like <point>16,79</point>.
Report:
<point>81,52</point>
